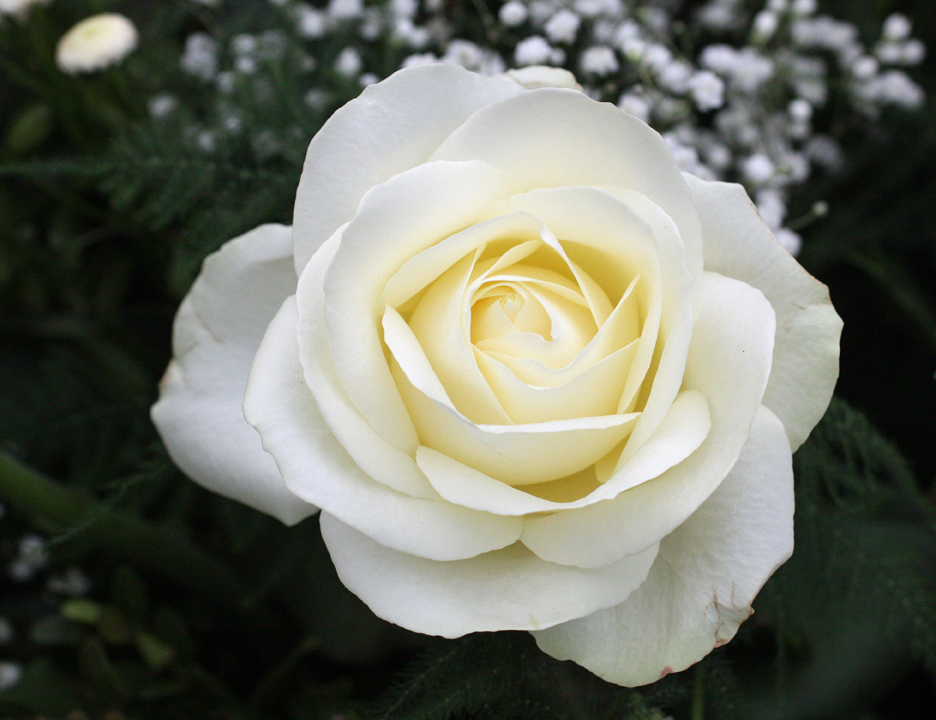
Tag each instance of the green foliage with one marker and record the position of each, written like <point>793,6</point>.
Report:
<point>856,604</point>
<point>504,676</point>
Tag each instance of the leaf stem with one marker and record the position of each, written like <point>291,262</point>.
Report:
<point>57,508</point>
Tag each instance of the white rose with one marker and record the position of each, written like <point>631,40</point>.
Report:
<point>534,377</point>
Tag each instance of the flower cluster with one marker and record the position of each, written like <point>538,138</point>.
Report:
<point>738,95</point>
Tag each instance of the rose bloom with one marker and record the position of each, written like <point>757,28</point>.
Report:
<point>534,377</point>
<point>96,43</point>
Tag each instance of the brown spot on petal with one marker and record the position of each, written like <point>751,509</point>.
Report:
<point>666,671</point>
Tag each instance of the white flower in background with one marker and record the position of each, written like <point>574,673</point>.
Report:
<point>10,674</point>
<point>200,57</point>
<point>32,558</point>
<point>790,240</point>
<point>563,26</point>
<point>720,14</point>
<point>657,57</point>
<point>752,70</point>
<point>541,11</point>
<point>96,43</point>
<point>310,22</point>
<point>19,8</point>
<point>317,98</point>
<point>864,67</point>
<point>635,105</point>
<point>675,77</point>
<point>896,27</point>
<point>804,7</point>
<point>161,105</point>
<point>758,169</point>
<point>345,9</point>
<point>894,87</point>
<point>534,376</point>
<point>534,50</point>
<point>765,25</point>
<point>72,582</point>
<point>722,59</point>
<point>596,8</point>
<point>772,207</point>
<point>372,24</point>
<point>348,62</point>
<point>419,59</point>
<point>513,13</point>
<point>464,53</point>
<point>707,90</point>
<point>800,110</point>
<point>404,8</point>
<point>599,60</point>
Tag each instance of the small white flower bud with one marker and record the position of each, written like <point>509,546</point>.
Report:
<point>96,43</point>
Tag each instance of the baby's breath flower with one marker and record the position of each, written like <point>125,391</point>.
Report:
<point>765,25</point>
<point>310,22</point>
<point>599,60</point>
<point>534,50</point>
<point>464,53</point>
<point>563,27</point>
<point>348,62</point>
<point>345,9</point>
<point>513,13</point>
<point>707,90</point>
<point>790,240</point>
<point>201,56</point>
<point>896,27</point>
<point>758,169</point>
<point>419,59</point>
<point>10,674</point>
<point>161,105</point>
<point>636,105</point>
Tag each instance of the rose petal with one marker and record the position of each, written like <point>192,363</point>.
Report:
<point>616,234</point>
<point>552,137</point>
<point>515,454</point>
<point>394,222</point>
<point>704,580</point>
<point>391,127</point>
<point>680,433</point>
<point>729,363</point>
<point>594,391</point>
<point>379,459</point>
<point>440,321</point>
<point>315,465</point>
<point>614,337</point>
<point>739,244</point>
<point>216,334</point>
<point>509,589</point>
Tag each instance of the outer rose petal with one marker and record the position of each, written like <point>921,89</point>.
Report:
<point>554,137</point>
<point>729,362</point>
<point>315,465</point>
<point>216,334</point>
<point>392,126</point>
<point>396,220</point>
<point>509,589</point>
<point>738,244</point>
<point>704,580</point>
